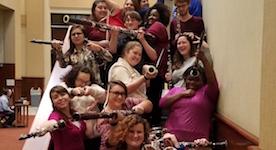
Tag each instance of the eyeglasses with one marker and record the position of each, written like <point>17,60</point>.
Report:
<point>123,94</point>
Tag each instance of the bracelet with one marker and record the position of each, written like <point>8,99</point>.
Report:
<point>145,78</point>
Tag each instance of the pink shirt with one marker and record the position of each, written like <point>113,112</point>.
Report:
<point>190,118</point>
<point>71,137</point>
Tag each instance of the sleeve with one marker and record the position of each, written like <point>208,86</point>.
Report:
<point>120,73</point>
<point>5,105</point>
<point>212,92</point>
<point>98,93</point>
<point>55,116</point>
<point>62,59</point>
<point>105,55</point>
<point>162,102</point>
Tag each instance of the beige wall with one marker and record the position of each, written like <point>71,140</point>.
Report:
<point>235,31</point>
<point>268,94</point>
<point>12,44</point>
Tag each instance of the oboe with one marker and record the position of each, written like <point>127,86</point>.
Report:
<point>104,26</point>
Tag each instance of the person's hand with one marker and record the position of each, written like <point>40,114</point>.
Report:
<point>201,142</point>
<point>115,30</point>
<point>200,54</point>
<point>138,109</point>
<point>120,116</point>
<point>104,43</point>
<point>141,35</point>
<point>188,93</point>
<point>148,73</point>
<point>168,76</point>
<point>94,47</point>
<point>78,91</point>
<point>57,45</point>
<point>170,140</point>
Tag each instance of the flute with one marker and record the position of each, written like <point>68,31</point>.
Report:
<point>104,26</point>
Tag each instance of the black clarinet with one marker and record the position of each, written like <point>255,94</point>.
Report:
<point>214,145</point>
<point>98,115</point>
<point>104,26</point>
<point>59,125</point>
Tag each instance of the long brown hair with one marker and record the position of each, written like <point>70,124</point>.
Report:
<point>178,58</point>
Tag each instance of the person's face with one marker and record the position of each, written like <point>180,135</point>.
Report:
<point>77,36</point>
<point>144,3</point>
<point>100,11</point>
<point>183,46</point>
<point>153,16</point>
<point>60,100</point>
<point>82,80</point>
<point>135,136</point>
<point>194,83</point>
<point>117,96</point>
<point>128,6</point>
<point>131,23</point>
<point>133,56</point>
<point>182,8</point>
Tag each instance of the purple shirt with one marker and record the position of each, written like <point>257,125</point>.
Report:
<point>190,118</point>
<point>71,137</point>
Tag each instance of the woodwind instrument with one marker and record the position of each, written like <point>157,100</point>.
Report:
<point>43,42</point>
<point>104,26</point>
<point>194,71</point>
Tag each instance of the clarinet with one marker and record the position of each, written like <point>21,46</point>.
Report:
<point>104,26</point>
<point>41,132</point>
<point>213,145</point>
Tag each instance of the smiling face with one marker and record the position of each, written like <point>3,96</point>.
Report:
<point>153,16</point>
<point>60,100</point>
<point>133,56</point>
<point>117,96</point>
<point>131,23</point>
<point>77,36</point>
<point>82,79</point>
<point>100,11</point>
<point>184,47</point>
<point>128,6</point>
<point>135,136</point>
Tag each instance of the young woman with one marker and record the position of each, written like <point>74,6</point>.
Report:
<point>80,82</point>
<point>72,136</point>
<point>99,13</point>
<point>132,133</point>
<point>184,57</point>
<point>156,21</point>
<point>192,105</point>
<point>124,71</point>
<point>118,12</point>
<point>132,21</point>
<point>117,101</point>
<point>82,52</point>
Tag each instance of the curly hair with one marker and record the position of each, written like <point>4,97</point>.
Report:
<point>163,11</point>
<point>119,132</point>
<point>71,76</point>
<point>178,58</point>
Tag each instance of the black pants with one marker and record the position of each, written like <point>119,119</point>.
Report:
<point>10,117</point>
<point>154,94</point>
